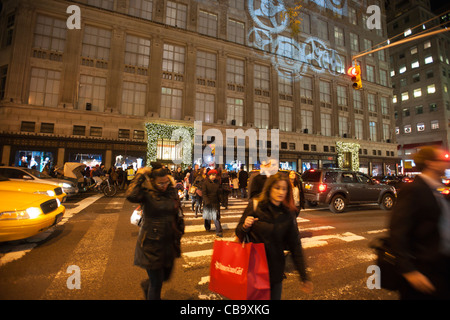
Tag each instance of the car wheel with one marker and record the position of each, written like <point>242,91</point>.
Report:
<point>337,204</point>
<point>387,202</point>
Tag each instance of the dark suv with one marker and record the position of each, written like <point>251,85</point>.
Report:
<point>340,187</point>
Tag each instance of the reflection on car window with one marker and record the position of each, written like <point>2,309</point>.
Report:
<point>38,174</point>
<point>330,177</point>
<point>362,178</point>
<point>347,177</point>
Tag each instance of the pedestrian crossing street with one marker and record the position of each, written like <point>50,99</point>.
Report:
<point>197,243</point>
<point>327,248</point>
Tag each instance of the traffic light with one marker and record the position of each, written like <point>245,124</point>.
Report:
<point>355,73</point>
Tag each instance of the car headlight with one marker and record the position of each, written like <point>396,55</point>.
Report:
<point>29,213</point>
<point>65,185</point>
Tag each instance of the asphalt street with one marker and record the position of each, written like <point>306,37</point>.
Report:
<point>93,247</point>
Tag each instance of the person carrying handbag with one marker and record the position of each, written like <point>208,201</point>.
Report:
<point>273,223</point>
<point>162,226</point>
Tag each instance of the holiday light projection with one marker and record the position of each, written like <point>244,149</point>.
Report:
<point>286,54</point>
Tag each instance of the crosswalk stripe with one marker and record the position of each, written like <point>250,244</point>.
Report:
<point>90,255</point>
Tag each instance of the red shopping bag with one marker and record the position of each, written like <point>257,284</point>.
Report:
<point>239,271</point>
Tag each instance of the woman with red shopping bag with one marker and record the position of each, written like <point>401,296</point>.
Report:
<point>273,223</point>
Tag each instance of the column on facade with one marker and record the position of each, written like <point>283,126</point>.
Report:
<point>18,71</point>
<point>116,67</point>
<point>71,69</point>
<point>154,77</point>
<point>221,97</point>
<point>274,99</point>
<point>249,92</point>
<point>190,82</point>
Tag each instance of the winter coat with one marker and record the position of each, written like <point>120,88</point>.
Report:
<point>158,242</point>
<point>211,199</point>
<point>277,229</point>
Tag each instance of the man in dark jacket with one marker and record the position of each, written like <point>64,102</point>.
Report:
<point>420,230</point>
<point>243,177</point>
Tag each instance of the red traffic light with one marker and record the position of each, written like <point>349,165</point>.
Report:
<point>355,73</point>
<point>352,71</point>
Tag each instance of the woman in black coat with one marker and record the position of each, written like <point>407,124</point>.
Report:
<point>271,220</point>
<point>212,192</point>
<point>158,242</point>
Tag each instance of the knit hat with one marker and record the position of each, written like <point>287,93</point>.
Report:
<point>213,171</point>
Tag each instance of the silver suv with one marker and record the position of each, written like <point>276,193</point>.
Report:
<point>339,187</point>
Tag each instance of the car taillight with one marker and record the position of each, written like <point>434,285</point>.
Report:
<point>322,187</point>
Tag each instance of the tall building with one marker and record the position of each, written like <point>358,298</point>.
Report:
<point>420,77</point>
<point>111,81</point>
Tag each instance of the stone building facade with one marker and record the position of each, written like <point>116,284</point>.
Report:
<point>87,94</point>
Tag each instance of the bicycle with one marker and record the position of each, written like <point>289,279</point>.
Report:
<point>105,186</point>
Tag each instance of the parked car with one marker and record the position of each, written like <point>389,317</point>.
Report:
<point>25,174</point>
<point>339,188</point>
<point>25,216</point>
<point>32,187</point>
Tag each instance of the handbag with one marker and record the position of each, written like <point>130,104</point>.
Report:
<point>192,190</point>
<point>239,271</point>
<point>136,217</point>
<point>390,278</point>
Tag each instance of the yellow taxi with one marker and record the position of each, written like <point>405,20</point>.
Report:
<point>23,215</point>
<point>32,187</point>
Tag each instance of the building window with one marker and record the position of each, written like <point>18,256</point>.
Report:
<point>79,130</point>
<point>44,87</point>
<point>434,124</point>
<point>386,131</point>
<point>307,121</point>
<point>96,43</point>
<point>262,115</point>
<point>137,51</point>
<point>92,93</point>
<point>236,31</point>
<point>407,128</point>
<point>428,59</point>
<point>306,88</point>
<point>339,36</point>
<point>133,98</point>
<point>433,107</point>
<point>354,44</point>
<point>415,64</point>
<point>285,120</point>
<point>343,126</point>
<point>371,102</point>
<point>373,130</point>
<point>235,71</point>
<point>207,24</point>
<point>325,122</point>
<point>261,77</point>
<point>47,127</point>
<point>235,111</point>
<point>204,107</point>
<point>406,112</point>
<point>417,93</point>
<point>420,127</point>
<point>322,29</point>
<point>359,129</point>
<point>285,84</point>
<point>206,65</point>
<point>141,9</point>
<point>27,126</point>
<point>419,109</point>
<point>96,131</point>
<point>405,96</point>
<point>384,105</point>
<point>124,134</point>
<point>325,91</point>
<point>171,103</point>
<point>431,89</point>
<point>176,14</point>
<point>173,59</point>
<point>138,134</point>
<point>342,96</point>
<point>50,34</point>
<point>105,4</point>
<point>357,100</point>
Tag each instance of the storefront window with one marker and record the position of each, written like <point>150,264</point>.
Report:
<point>169,150</point>
<point>33,159</point>
<point>89,159</point>
<point>307,165</point>
<point>288,165</point>
<point>126,161</point>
